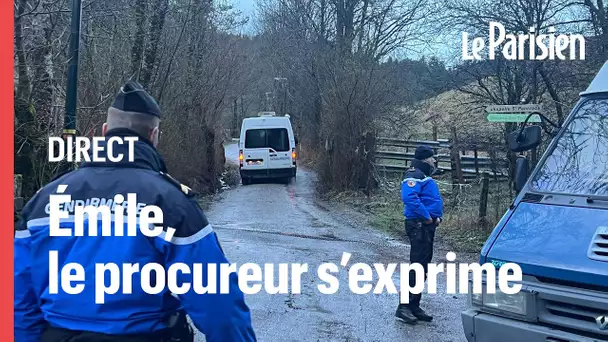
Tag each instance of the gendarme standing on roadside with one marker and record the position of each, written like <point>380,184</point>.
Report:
<point>423,209</point>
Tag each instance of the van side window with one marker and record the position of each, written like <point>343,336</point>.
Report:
<point>579,163</point>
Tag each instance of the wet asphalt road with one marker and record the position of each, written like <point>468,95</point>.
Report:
<point>283,223</point>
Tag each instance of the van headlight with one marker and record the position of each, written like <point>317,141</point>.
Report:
<point>514,305</point>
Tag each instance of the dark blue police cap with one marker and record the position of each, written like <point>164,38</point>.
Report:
<point>133,98</point>
<point>423,152</point>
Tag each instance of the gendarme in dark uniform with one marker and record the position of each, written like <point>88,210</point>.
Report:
<point>423,210</point>
<point>41,316</point>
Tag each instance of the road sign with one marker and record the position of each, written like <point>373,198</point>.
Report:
<point>512,117</point>
<point>515,109</point>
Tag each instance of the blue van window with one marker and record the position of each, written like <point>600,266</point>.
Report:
<point>579,163</point>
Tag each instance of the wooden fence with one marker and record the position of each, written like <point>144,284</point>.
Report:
<point>393,156</point>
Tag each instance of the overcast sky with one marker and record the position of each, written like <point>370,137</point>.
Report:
<point>247,8</point>
<point>445,52</point>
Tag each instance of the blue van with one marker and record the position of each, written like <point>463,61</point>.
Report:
<point>556,230</point>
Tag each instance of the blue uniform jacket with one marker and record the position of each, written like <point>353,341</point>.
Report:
<point>221,317</point>
<point>420,194</point>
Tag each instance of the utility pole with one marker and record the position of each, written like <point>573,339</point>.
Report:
<point>281,83</point>
<point>235,119</point>
<point>69,127</point>
<point>268,106</point>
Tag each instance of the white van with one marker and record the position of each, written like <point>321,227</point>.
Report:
<point>267,148</point>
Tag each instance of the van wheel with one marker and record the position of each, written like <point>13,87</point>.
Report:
<point>245,181</point>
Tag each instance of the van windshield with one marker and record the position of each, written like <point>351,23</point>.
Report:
<point>275,138</point>
<point>579,163</point>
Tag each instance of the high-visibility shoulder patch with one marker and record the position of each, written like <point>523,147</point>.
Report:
<point>185,189</point>
<point>411,183</point>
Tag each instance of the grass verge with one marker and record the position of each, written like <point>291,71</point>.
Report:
<point>461,230</point>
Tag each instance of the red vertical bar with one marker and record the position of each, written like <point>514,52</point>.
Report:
<point>6,171</point>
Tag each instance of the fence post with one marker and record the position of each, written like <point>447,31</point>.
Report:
<point>476,162</point>
<point>435,150</point>
<point>370,150</point>
<point>455,156</point>
<point>457,178</point>
<point>493,158</point>
<point>483,201</point>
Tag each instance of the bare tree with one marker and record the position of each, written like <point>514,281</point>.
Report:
<point>120,40</point>
<point>331,51</point>
<point>599,21</point>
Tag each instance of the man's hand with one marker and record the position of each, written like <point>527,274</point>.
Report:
<point>436,221</point>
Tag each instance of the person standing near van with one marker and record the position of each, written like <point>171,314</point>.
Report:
<point>423,210</point>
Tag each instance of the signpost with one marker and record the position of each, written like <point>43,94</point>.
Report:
<point>72,86</point>
<point>529,108</point>
<point>514,117</point>
<point>514,113</point>
<point>69,125</point>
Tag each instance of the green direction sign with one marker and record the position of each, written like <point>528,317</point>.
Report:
<point>512,117</point>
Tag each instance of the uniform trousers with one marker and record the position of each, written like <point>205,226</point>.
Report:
<point>422,237</point>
